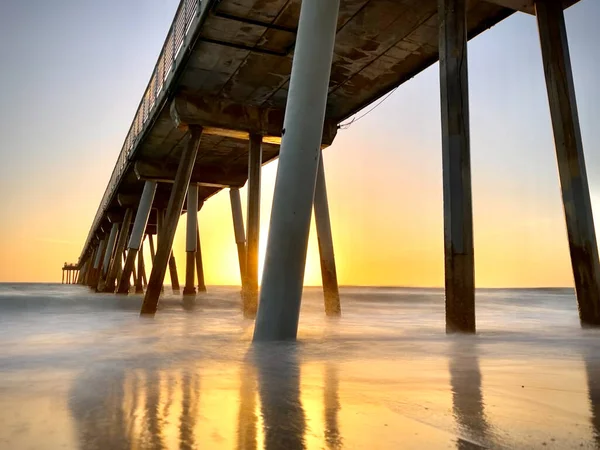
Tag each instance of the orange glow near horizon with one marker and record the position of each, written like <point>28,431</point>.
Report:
<point>383,234</point>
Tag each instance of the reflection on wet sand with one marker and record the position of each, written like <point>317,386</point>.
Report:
<point>154,408</point>
<point>96,402</point>
<point>274,399</point>
<point>189,411</point>
<point>135,409</point>
<point>467,396</point>
<point>278,371</point>
<point>592,367</point>
<point>333,438</point>
<point>247,418</point>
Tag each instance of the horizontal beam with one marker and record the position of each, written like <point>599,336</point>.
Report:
<point>115,216</point>
<point>224,118</point>
<point>206,176</point>
<point>161,199</point>
<point>249,21</point>
<point>526,6</point>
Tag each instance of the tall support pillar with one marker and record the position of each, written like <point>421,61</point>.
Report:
<point>151,243</point>
<point>571,162</point>
<point>331,291</point>
<point>90,267</point>
<point>191,239</point>
<point>174,276</point>
<point>160,217</point>
<point>82,272</point>
<point>172,264</point>
<point>153,254</point>
<point>456,162</point>
<point>137,234</point>
<point>108,254</point>
<point>63,276</point>
<point>133,271</point>
<point>281,291</point>
<point>240,234</point>
<point>199,266</point>
<point>253,226</point>
<point>139,285</point>
<point>180,185</point>
<point>93,282</point>
<point>116,265</point>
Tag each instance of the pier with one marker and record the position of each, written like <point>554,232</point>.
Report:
<point>240,83</point>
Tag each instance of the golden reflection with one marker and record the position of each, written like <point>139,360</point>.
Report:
<point>467,399</point>
<point>333,438</point>
<point>278,372</point>
<point>274,399</point>
<point>247,418</point>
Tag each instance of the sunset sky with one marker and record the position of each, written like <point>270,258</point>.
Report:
<point>73,72</point>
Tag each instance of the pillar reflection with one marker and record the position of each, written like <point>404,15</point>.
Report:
<point>333,438</point>
<point>467,399</point>
<point>95,403</point>
<point>135,408</point>
<point>189,411</point>
<point>247,418</point>
<point>592,367</point>
<point>278,372</point>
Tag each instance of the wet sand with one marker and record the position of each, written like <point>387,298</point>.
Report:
<point>385,376</point>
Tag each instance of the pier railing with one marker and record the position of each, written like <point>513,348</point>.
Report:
<point>187,11</point>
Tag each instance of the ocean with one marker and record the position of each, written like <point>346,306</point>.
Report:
<point>80,370</point>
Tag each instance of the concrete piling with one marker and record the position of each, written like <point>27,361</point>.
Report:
<point>108,255</point>
<point>283,276</point>
<point>139,285</point>
<point>93,282</point>
<point>137,234</point>
<point>323,224</point>
<point>174,275</point>
<point>240,234</point>
<point>151,243</point>
<point>199,266</point>
<point>456,164</point>
<point>176,199</point>
<point>191,239</point>
<point>116,265</point>
<point>571,162</point>
<point>253,225</point>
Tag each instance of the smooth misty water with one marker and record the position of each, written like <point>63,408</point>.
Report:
<point>82,370</point>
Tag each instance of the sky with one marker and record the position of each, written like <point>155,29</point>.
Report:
<point>73,73</point>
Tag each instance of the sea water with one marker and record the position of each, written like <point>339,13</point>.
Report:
<point>81,370</point>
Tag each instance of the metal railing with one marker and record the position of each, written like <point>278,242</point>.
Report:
<point>186,12</point>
